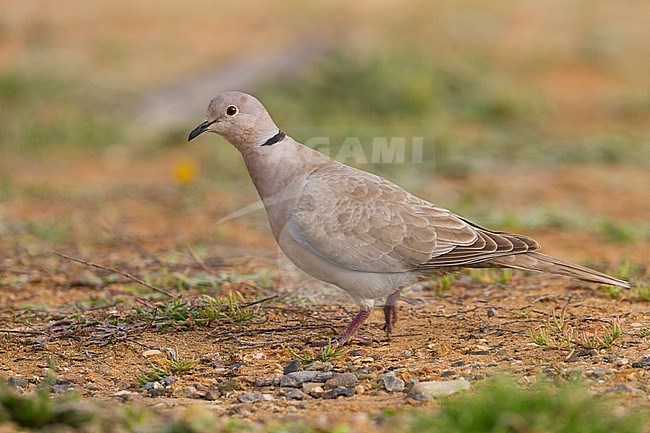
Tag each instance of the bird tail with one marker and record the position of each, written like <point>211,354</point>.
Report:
<point>543,263</point>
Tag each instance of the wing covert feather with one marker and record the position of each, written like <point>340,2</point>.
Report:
<point>363,222</point>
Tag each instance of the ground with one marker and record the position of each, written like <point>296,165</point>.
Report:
<point>535,121</point>
<point>61,316</point>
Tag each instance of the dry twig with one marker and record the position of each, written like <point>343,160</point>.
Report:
<point>117,271</point>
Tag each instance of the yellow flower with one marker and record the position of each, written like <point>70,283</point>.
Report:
<point>185,171</point>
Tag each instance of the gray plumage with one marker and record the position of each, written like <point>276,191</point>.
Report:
<point>357,230</point>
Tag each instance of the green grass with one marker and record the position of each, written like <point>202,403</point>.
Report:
<point>559,334</point>
<point>182,313</point>
<point>46,110</point>
<point>501,406</point>
<point>498,405</point>
<point>326,354</point>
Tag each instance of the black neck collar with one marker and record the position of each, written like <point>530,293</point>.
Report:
<point>277,137</point>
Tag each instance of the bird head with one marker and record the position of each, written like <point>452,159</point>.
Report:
<point>239,118</point>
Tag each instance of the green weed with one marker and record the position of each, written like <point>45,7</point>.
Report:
<point>202,311</point>
<point>154,374</point>
<point>501,406</point>
<point>558,334</point>
<point>491,276</point>
<point>171,365</point>
<point>443,283</point>
<point>641,292</point>
<point>328,353</point>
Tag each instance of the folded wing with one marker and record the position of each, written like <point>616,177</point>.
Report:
<point>363,222</point>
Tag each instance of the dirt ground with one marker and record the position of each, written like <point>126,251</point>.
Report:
<point>474,329</point>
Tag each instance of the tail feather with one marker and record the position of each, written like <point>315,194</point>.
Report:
<point>542,263</point>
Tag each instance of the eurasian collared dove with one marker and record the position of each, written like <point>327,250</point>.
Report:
<point>357,230</point>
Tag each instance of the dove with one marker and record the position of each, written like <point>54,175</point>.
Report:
<point>359,231</point>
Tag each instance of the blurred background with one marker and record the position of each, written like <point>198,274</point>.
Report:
<point>535,116</point>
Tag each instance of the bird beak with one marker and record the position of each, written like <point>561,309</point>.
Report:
<point>200,129</point>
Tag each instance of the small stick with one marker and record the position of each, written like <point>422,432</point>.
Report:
<point>259,301</point>
<point>16,331</point>
<point>117,271</point>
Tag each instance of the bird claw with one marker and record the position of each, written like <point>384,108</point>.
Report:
<point>390,318</point>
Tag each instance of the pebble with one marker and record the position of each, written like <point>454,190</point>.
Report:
<point>155,390</point>
<point>296,394</point>
<point>184,392</point>
<point>292,366</point>
<point>345,380</point>
<point>212,395</point>
<point>297,378</point>
<point>392,383</point>
<point>311,387</point>
<point>250,397</point>
<point>61,388</point>
<point>420,397</point>
<point>320,366</point>
<point>440,388</point>
<point>359,389</point>
<point>410,384</point>
<point>228,385</point>
<point>18,383</point>
<point>330,394</point>
<point>261,382</point>
<point>152,353</point>
<point>645,362</point>
<point>344,391</point>
<point>124,395</point>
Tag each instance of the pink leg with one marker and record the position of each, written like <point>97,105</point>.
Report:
<point>351,332</point>
<point>390,312</point>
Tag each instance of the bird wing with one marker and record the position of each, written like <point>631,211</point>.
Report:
<point>363,222</point>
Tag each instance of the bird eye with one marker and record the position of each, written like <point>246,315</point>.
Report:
<point>231,110</point>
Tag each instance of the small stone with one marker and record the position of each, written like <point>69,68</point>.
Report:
<point>597,372</point>
<point>342,391</point>
<point>228,385</point>
<point>250,397</point>
<point>296,394</point>
<point>61,388</point>
<point>168,381</point>
<point>458,364</point>
<point>156,389</point>
<point>447,373</point>
<point>345,380</point>
<point>212,395</point>
<point>408,386</point>
<point>152,353</point>
<point>359,389</point>
<point>261,382</point>
<point>320,366</point>
<point>621,362</point>
<point>420,397</point>
<point>184,392</point>
<point>392,383</point>
<point>310,387</point>
<point>645,362</point>
<point>440,388</point>
<point>297,378</point>
<point>17,383</point>
<point>330,394</point>
<point>292,366</point>
<point>125,395</point>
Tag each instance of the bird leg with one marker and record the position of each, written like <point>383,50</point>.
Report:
<point>351,332</point>
<point>390,312</point>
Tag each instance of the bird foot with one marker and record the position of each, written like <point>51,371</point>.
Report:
<point>390,318</point>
